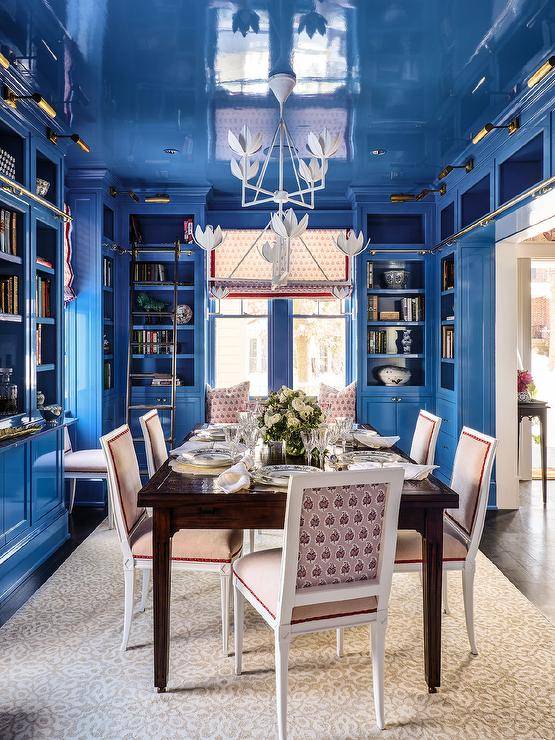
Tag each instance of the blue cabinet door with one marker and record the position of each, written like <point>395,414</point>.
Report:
<point>188,413</point>
<point>45,474</point>
<point>407,414</point>
<point>16,491</point>
<point>381,413</point>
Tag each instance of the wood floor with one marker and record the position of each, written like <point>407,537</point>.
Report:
<point>521,543</point>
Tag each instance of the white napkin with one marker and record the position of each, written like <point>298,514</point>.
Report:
<point>235,478</point>
<point>375,440</point>
<point>412,471</point>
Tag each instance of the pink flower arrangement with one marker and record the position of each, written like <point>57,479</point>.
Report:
<point>523,380</point>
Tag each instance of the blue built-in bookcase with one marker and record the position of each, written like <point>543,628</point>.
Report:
<point>386,314</point>
<point>33,517</point>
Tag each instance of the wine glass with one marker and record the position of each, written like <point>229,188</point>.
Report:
<point>344,427</point>
<point>321,440</point>
<point>308,444</point>
<point>250,437</point>
<point>232,437</point>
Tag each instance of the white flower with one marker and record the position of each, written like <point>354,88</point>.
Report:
<point>352,244</point>
<point>271,419</point>
<point>306,412</point>
<point>288,227</point>
<point>292,420</point>
<point>324,145</point>
<point>209,238</point>
<point>242,171</point>
<point>312,172</point>
<point>298,404</point>
<point>245,144</point>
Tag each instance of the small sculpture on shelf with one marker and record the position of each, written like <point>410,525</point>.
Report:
<point>149,304</point>
<point>41,398</point>
<point>8,393</point>
<point>396,277</point>
<point>393,375</point>
<point>106,345</point>
<point>184,314</point>
<point>406,341</point>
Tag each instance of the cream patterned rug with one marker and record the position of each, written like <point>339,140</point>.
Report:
<point>63,676</point>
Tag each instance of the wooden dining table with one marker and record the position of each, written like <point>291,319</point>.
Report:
<point>185,501</point>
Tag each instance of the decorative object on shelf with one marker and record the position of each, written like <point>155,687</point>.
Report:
<point>150,304</point>
<point>106,346</point>
<point>7,164</point>
<point>389,316</point>
<point>285,414</point>
<point>525,385</point>
<point>392,335</point>
<point>42,187</point>
<point>21,431</point>
<point>8,393</point>
<point>394,375</point>
<point>406,341</point>
<point>309,176</point>
<point>41,398</point>
<point>396,278</point>
<point>51,413</point>
<point>184,314</point>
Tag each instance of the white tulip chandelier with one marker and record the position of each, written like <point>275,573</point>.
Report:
<point>308,176</point>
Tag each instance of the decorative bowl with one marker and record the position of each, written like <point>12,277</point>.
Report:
<point>184,314</point>
<point>395,278</point>
<point>51,413</point>
<point>394,375</point>
<point>42,187</point>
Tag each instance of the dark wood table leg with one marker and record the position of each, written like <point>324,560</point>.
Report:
<point>543,435</point>
<point>161,584</point>
<point>432,570</point>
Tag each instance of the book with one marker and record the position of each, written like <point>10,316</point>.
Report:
<point>9,294</point>
<point>8,231</point>
<point>188,230</point>
<point>44,262</point>
<point>370,274</point>
<point>447,342</point>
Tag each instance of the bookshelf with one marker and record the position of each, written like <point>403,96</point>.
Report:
<point>396,316</point>
<point>46,281</point>
<point>447,337</point>
<point>108,322</point>
<point>12,325</point>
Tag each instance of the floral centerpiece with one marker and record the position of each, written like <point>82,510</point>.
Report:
<point>285,415</point>
<point>524,384</point>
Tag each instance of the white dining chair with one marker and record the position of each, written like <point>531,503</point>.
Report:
<point>462,527</point>
<point>157,452</point>
<point>84,465</point>
<point>208,550</point>
<point>335,569</point>
<point>424,440</point>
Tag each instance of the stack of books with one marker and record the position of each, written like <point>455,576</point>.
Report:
<point>448,274</point>
<point>9,294</point>
<point>43,296</point>
<point>8,231</point>
<point>447,342</point>
<point>164,379</point>
<point>150,272</point>
<point>188,230</point>
<point>412,309</point>
<point>107,272</point>
<point>377,342</point>
<point>373,308</point>
<point>149,342</point>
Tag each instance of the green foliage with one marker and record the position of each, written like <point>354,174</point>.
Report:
<point>286,414</point>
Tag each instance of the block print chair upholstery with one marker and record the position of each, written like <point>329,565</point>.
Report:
<point>462,527</point>
<point>424,440</point>
<point>84,465</point>
<point>335,569</point>
<point>192,549</point>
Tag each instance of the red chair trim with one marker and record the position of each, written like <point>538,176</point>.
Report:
<point>447,514</point>
<point>194,560</point>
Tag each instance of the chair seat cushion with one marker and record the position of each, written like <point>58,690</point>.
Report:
<point>409,546</point>
<point>195,545</point>
<point>259,572</point>
<point>85,461</point>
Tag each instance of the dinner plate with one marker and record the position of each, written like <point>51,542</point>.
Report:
<point>213,457</point>
<point>357,456</point>
<point>278,475</point>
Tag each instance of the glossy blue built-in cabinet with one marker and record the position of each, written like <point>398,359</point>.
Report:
<point>33,517</point>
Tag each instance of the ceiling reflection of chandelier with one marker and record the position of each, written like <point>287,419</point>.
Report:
<point>304,179</point>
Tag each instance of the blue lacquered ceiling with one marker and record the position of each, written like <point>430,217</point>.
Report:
<point>411,78</point>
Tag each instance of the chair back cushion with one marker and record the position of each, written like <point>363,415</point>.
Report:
<point>223,404</point>
<point>155,444</point>
<point>336,402</point>
<point>340,533</point>
<point>126,480</point>
<point>67,441</point>
<point>424,439</point>
<point>469,470</point>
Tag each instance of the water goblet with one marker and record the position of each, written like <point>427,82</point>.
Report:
<point>308,444</point>
<point>321,442</point>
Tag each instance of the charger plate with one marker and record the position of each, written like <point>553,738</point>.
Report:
<point>278,475</point>
<point>357,456</point>
<point>210,457</point>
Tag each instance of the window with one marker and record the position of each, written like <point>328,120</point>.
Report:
<point>319,344</point>
<point>241,343</point>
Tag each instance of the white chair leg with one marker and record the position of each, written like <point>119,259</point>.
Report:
<point>129,576</point>
<point>282,671</point>
<point>468,596</point>
<point>377,638</point>
<point>72,489</point>
<point>445,594</point>
<point>110,512</point>
<point>225,579</point>
<point>144,592</point>
<point>339,641</point>
<point>239,627</point>
<point>251,540</point>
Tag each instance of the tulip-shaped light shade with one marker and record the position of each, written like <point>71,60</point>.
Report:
<point>242,171</point>
<point>323,145</point>
<point>219,292</point>
<point>209,238</point>
<point>350,244</point>
<point>268,251</point>
<point>287,226</point>
<point>312,172</point>
<point>341,292</point>
<point>246,144</point>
